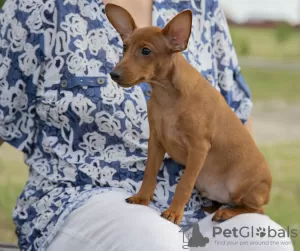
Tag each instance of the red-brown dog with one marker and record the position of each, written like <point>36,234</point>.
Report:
<point>190,120</point>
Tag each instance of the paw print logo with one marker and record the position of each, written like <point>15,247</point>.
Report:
<point>261,232</point>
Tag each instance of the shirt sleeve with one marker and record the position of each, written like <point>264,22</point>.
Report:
<point>228,72</point>
<point>19,72</point>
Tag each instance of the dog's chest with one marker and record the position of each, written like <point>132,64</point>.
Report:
<point>167,130</point>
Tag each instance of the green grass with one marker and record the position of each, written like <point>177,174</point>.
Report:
<point>267,85</point>
<point>13,175</point>
<point>262,43</point>
<point>284,206</point>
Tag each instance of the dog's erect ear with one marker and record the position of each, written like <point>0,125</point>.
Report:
<point>178,31</point>
<point>120,19</point>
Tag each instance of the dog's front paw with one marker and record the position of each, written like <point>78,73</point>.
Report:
<point>172,216</point>
<point>136,199</point>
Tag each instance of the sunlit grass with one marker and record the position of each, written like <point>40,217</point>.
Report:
<point>284,206</point>
<point>267,85</point>
<point>13,175</point>
<point>262,43</point>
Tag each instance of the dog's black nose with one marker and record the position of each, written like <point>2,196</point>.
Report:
<point>115,75</point>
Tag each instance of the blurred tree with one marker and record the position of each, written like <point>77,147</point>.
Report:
<point>283,32</point>
<point>244,47</point>
<point>241,45</point>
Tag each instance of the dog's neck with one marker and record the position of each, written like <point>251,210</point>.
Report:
<point>175,80</point>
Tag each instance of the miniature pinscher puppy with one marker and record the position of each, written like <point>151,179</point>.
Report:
<point>190,120</point>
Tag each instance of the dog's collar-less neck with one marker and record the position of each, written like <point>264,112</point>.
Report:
<point>163,92</point>
<point>173,82</point>
<point>177,75</point>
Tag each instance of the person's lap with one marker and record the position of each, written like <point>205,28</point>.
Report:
<point>107,223</point>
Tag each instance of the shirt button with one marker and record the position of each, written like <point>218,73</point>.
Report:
<point>64,83</point>
<point>148,93</point>
<point>100,81</point>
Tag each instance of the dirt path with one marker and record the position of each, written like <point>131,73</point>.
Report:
<point>276,122</point>
<point>259,63</point>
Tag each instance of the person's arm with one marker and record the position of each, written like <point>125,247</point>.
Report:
<point>20,64</point>
<point>229,78</point>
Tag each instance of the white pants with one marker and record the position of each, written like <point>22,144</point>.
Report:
<point>107,223</point>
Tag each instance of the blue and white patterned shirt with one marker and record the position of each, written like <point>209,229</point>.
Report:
<point>81,133</point>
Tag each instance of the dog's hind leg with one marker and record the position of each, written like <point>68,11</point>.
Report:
<point>227,213</point>
<point>251,202</point>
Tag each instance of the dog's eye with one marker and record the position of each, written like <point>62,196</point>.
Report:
<point>146,51</point>
<point>124,47</point>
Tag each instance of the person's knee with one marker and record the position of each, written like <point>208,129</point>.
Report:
<point>148,232</point>
<point>107,222</point>
<point>134,227</point>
